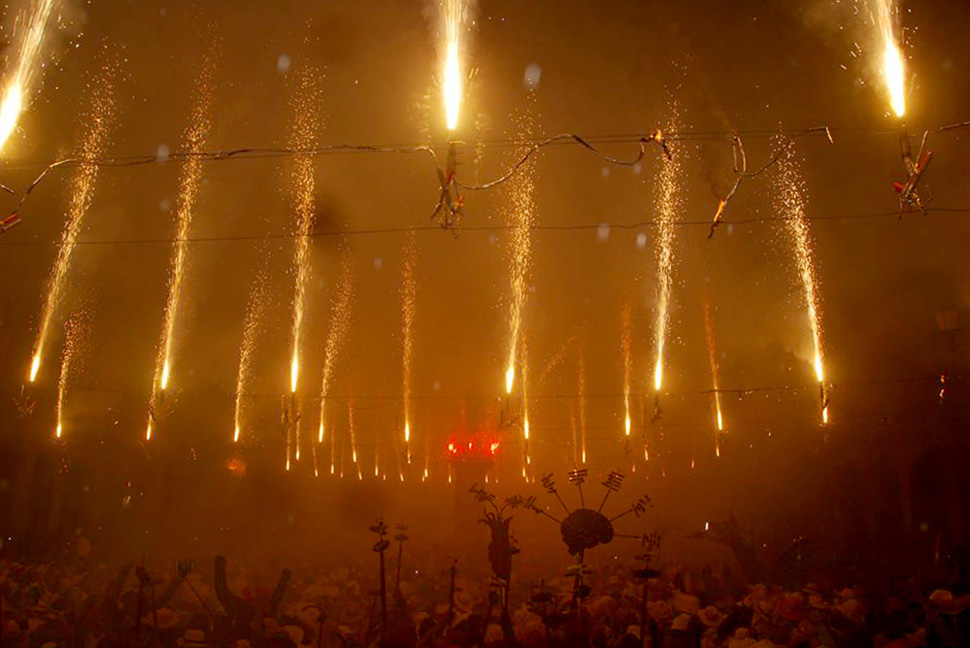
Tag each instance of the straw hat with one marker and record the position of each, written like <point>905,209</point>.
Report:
<point>944,601</point>
<point>193,637</point>
<point>685,603</point>
<point>710,616</point>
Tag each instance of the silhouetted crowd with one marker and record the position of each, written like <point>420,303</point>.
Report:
<point>77,603</point>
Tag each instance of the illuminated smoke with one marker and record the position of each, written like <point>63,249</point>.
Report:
<point>627,343</point>
<point>304,134</point>
<point>791,201</point>
<point>715,378</point>
<point>671,204</point>
<point>521,217</point>
<point>76,330</point>
<point>98,121</point>
<point>191,180</point>
<point>258,297</point>
<point>408,305</point>
<point>340,315</point>
<point>453,16</point>
<point>30,29</point>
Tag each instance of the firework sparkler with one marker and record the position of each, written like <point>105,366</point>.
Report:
<point>671,202</point>
<point>791,201</point>
<point>408,298</point>
<point>453,15</point>
<point>339,323</point>
<point>191,180</point>
<point>75,338</point>
<point>627,343</point>
<point>715,379</point>
<point>98,123</point>
<point>258,297</point>
<point>31,28</point>
<point>893,69</point>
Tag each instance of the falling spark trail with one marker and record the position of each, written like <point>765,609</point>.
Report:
<point>453,15</point>
<point>527,458</point>
<point>408,305</point>
<point>254,316</point>
<point>191,180</point>
<point>715,378</point>
<point>31,27</point>
<point>521,217</point>
<point>353,439</point>
<point>582,401</point>
<point>560,354</point>
<point>627,342</point>
<point>671,203</point>
<point>340,317</point>
<point>75,337</point>
<point>99,120</point>
<point>893,69</point>
<point>791,201</point>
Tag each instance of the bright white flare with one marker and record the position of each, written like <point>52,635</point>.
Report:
<point>893,69</point>
<point>452,84</point>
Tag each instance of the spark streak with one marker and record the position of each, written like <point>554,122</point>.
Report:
<point>75,336</point>
<point>408,305</point>
<point>791,201</point>
<point>454,19</point>
<point>627,342</point>
<point>527,458</point>
<point>98,121</point>
<point>521,216</point>
<point>671,203</point>
<point>582,401</point>
<point>340,316</point>
<point>254,315</point>
<point>715,378</point>
<point>893,69</point>
<point>191,180</point>
<point>31,27</point>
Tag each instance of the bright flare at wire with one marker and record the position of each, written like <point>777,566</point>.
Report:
<point>453,16</point>
<point>671,203</point>
<point>190,182</point>
<point>31,28</point>
<point>792,200</point>
<point>893,68</point>
<point>98,122</point>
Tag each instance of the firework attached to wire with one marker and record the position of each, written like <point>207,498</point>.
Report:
<point>339,323</point>
<point>791,201</point>
<point>258,297</point>
<point>408,305</point>
<point>76,330</point>
<point>671,204</point>
<point>522,216</point>
<point>98,122</point>
<point>30,31</point>
<point>196,136</point>
<point>715,378</point>
<point>453,16</point>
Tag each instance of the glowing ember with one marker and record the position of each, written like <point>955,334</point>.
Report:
<point>339,323</point>
<point>715,378</point>
<point>254,315</point>
<point>453,16</point>
<point>791,201</point>
<point>627,342</point>
<point>31,28</point>
<point>671,203</point>
<point>98,122</point>
<point>408,301</point>
<point>189,184</point>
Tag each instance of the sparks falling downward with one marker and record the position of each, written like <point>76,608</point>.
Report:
<point>31,28</point>
<point>521,217</point>
<point>715,379</point>
<point>191,180</point>
<point>98,121</point>
<point>526,456</point>
<point>671,202</point>
<point>792,200</point>
<point>408,299</point>
<point>582,403</point>
<point>339,323</point>
<point>893,69</point>
<point>251,327</point>
<point>627,342</point>
<point>75,337</point>
<point>453,15</point>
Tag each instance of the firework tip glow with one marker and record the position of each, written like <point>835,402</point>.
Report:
<point>453,17</point>
<point>893,69</point>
